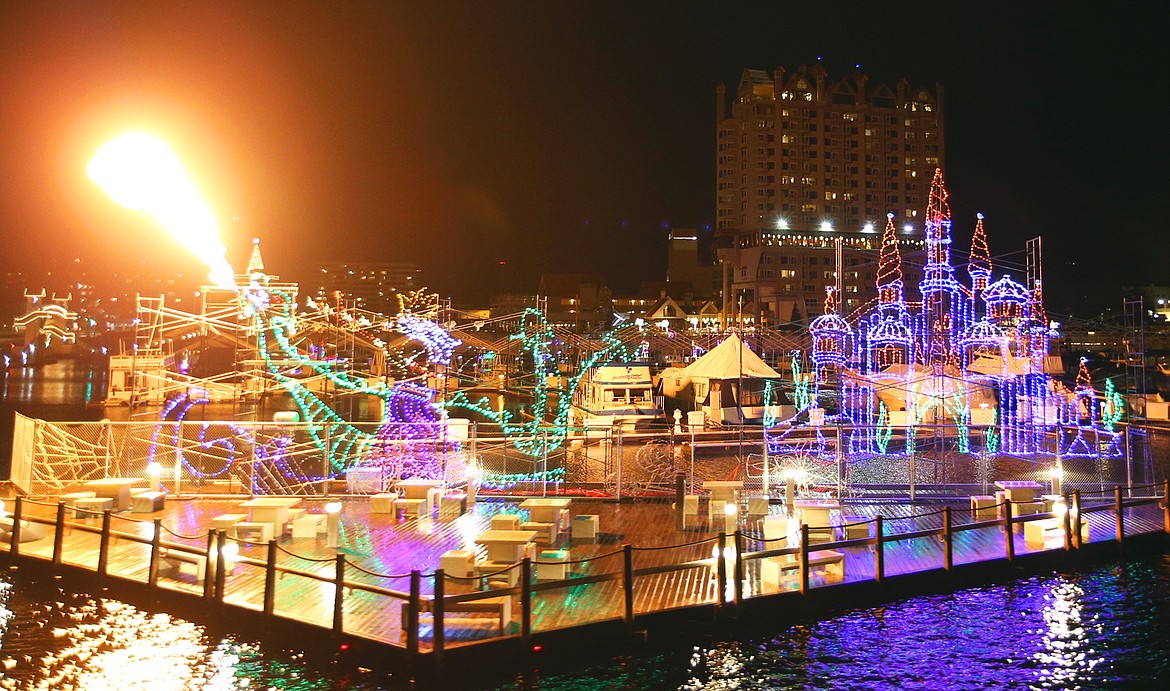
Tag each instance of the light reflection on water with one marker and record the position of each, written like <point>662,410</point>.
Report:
<point>50,639</point>
<point>1104,628</point>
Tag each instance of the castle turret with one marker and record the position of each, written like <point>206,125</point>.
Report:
<point>832,337</point>
<point>943,313</point>
<point>889,273</point>
<point>979,265</point>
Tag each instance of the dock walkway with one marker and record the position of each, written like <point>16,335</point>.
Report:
<point>381,585</point>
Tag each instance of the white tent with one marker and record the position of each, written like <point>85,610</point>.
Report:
<point>729,360</point>
<point>715,381</point>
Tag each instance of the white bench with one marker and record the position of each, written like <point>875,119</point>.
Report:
<point>1038,532</point>
<point>409,506</point>
<point>499,574</point>
<point>545,532</point>
<point>551,565</point>
<point>983,507</point>
<point>383,502</point>
<point>453,504</point>
<point>690,505</point>
<point>853,527</point>
<point>253,532</point>
<point>500,606</point>
<point>91,507</point>
<point>506,521</point>
<point>227,522</point>
<point>173,559</point>
<point>147,502</point>
<point>308,525</point>
<point>68,499</point>
<point>830,562</point>
<point>458,562</point>
<point>585,526</point>
<point>1023,508</point>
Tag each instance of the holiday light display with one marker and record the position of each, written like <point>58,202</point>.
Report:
<point>411,439</point>
<point>545,429</point>
<point>970,357</point>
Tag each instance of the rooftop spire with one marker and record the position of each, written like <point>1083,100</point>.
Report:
<point>889,259</point>
<point>938,211</point>
<point>889,273</point>
<point>979,265</point>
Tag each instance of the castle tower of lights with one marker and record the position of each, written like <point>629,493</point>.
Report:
<point>944,311</point>
<point>979,263</point>
<point>969,356</point>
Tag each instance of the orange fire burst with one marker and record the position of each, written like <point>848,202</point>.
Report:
<point>140,172</point>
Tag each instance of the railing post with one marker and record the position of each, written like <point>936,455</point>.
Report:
<point>948,540</point>
<point>208,577</point>
<point>628,585</point>
<point>1120,517</point>
<point>1067,520</point>
<point>438,608</point>
<point>879,550</point>
<point>737,572</point>
<point>104,545</point>
<point>617,435</point>
<point>1077,520</point>
<point>1009,543</point>
<point>1166,505</point>
<point>17,512</point>
<point>804,559</point>
<point>270,579</point>
<point>680,498</point>
<point>412,614</point>
<point>155,554</point>
<point>220,566</point>
<point>59,535</point>
<point>526,598</point>
<point>339,597</point>
<point>721,570</point>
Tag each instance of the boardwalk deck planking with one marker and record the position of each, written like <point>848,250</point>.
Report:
<point>388,549</point>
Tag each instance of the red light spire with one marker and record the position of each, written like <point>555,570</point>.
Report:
<point>979,265</point>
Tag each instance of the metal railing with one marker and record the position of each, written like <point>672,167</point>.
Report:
<point>213,555</point>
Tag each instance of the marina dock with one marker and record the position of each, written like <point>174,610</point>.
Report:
<point>383,589</point>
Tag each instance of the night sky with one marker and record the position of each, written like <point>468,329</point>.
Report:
<point>560,136</point>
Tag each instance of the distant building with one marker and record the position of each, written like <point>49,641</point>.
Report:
<point>372,286</point>
<point>804,161</point>
<point>1155,301</point>
<point>686,272</point>
<point>581,302</point>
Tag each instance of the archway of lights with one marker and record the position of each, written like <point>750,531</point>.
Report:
<point>968,358</point>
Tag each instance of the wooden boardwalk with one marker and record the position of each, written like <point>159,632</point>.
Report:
<point>380,552</point>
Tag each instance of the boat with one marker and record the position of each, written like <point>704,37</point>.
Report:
<point>617,393</point>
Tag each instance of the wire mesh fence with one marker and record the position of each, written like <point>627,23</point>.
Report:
<point>227,457</point>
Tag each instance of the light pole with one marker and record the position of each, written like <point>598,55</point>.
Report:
<point>154,470</point>
<point>332,524</point>
<point>739,386</point>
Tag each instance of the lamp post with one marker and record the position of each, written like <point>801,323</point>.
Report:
<point>739,384</point>
<point>789,489</point>
<point>154,470</point>
<point>730,517</point>
<point>332,524</point>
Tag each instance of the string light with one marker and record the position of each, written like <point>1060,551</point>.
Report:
<point>959,349</point>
